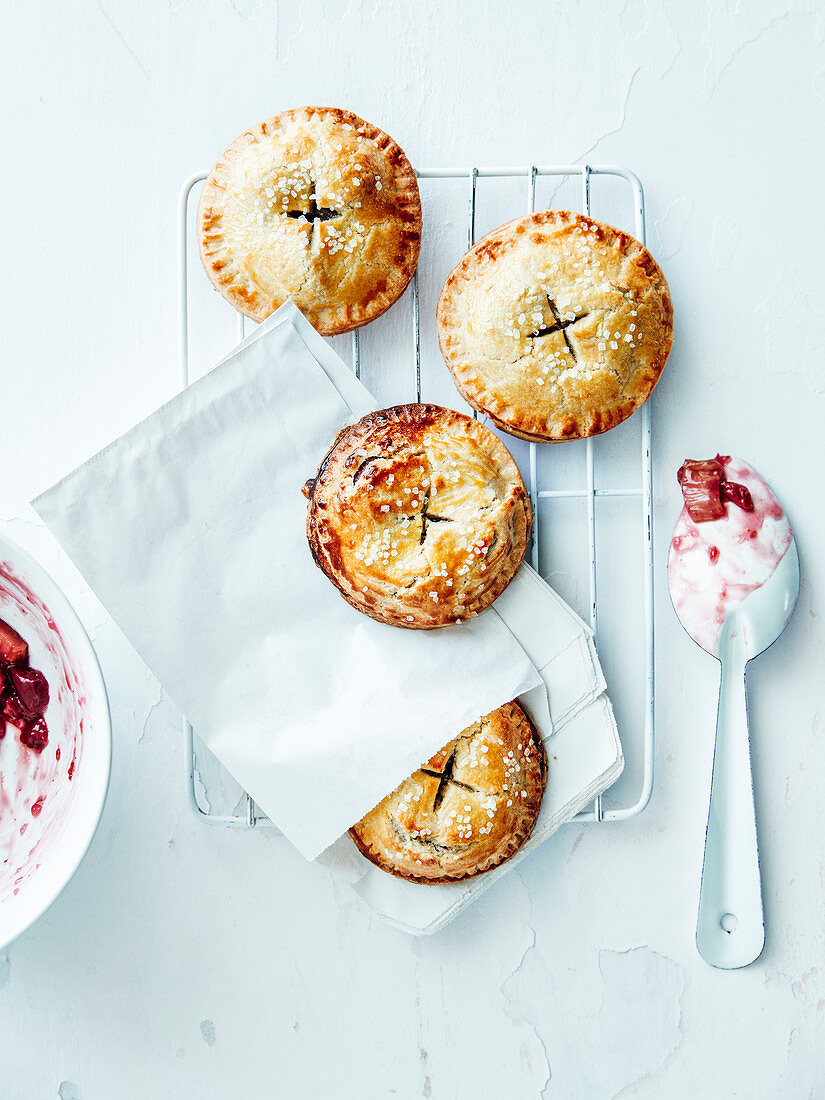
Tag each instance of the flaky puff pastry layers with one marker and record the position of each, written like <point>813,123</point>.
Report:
<point>315,205</point>
<point>556,326</point>
<point>419,516</point>
<point>467,810</point>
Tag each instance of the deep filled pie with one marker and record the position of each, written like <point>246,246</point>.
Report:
<point>419,515</point>
<point>465,811</point>
<point>556,326</point>
<point>316,205</point>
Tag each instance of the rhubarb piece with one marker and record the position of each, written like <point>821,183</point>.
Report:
<point>35,735</point>
<point>701,488</point>
<point>13,650</point>
<point>12,710</point>
<point>32,690</point>
<point>737,494</point>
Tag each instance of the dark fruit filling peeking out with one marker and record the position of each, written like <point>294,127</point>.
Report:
<point>706,489</point>
<point>24,692</point>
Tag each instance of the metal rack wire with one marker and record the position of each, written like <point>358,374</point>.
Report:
<point>251,815</point>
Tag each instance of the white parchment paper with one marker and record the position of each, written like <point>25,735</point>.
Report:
<point>191,530</point>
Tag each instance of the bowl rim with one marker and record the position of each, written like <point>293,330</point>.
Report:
<point>70,849</point>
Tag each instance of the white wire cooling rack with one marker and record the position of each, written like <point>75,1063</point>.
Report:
<point>638,750</point>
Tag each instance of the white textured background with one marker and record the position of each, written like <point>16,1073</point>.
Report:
<point>185,962</point>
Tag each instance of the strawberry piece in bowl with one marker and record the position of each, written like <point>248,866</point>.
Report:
<point>32,690</point>
<point>35,735</point>
<point>12,710</point>
<point>13,649</point>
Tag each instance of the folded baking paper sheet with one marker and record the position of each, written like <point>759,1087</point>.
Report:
<point>191,530</point>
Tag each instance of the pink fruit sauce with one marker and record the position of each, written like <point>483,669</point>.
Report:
<point>729,539</point>
<point>41,731</point>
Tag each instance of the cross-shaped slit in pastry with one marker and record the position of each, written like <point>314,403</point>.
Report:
<point>429,517</point>
<point>445,777</point>
<point>315,213</point>
<point>560,324</point>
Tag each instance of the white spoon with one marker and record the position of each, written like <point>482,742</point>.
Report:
<point>757,594</point>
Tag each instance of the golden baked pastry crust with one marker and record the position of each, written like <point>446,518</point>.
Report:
<point>316,205</point>
<point>419,515</point>
<point>556,326</point>
<point>470,808</point>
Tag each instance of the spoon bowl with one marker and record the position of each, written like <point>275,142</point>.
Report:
<point>758,621</point>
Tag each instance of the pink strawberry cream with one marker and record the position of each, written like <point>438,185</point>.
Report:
<point>729,538</point>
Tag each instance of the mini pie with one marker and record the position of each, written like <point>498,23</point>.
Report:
<point>467,810</point>
<point>556,326</point>
<point>419,515</point>
<point>316,205</point>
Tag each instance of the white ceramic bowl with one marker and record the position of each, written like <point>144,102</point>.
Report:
<point>40,851</point>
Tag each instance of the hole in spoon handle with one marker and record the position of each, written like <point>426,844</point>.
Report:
<point>730,930</point>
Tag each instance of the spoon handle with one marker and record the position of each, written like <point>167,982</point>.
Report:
<point>730,930</point>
